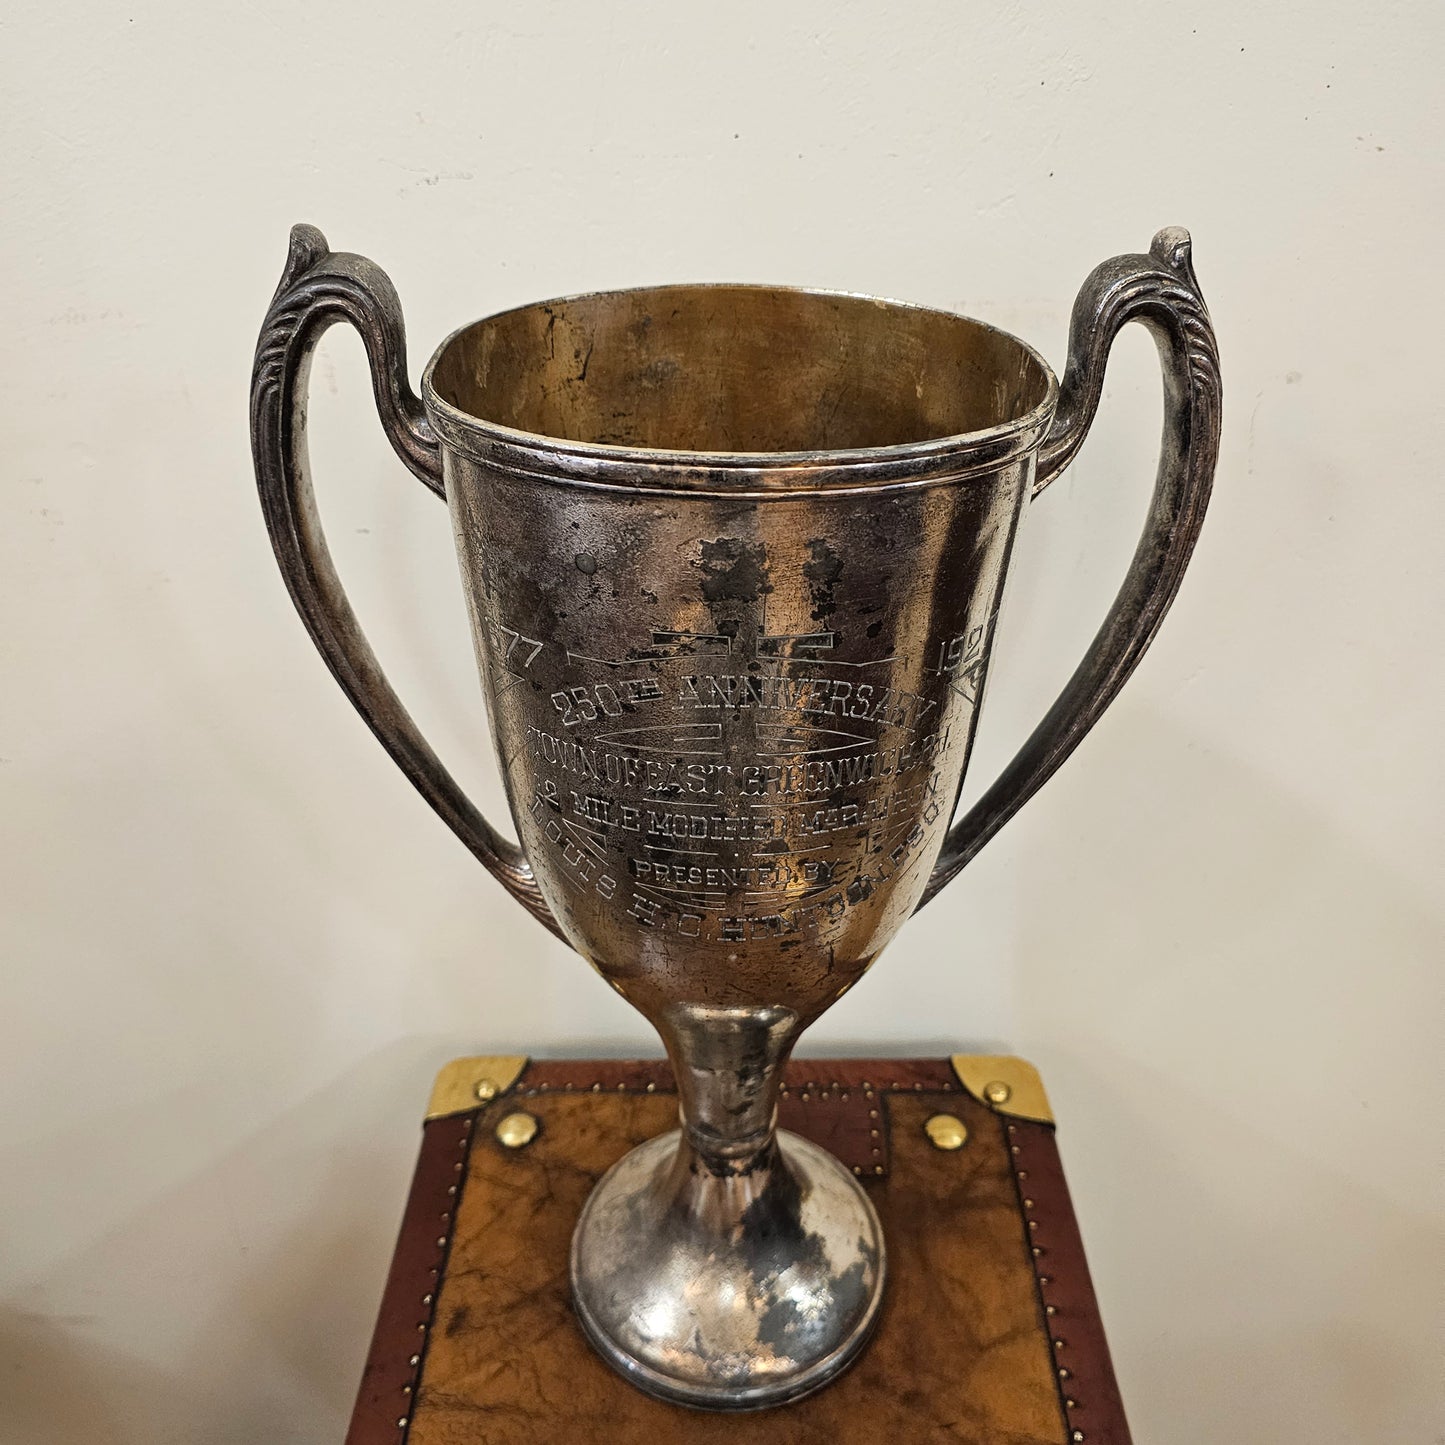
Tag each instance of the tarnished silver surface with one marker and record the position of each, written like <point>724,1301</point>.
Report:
<point>777,1312</point>
<point>733,557</point>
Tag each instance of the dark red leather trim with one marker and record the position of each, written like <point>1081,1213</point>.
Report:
<point>398,1345</point>
<point>1088,1390</point>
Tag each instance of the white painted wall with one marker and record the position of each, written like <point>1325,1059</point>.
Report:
<point>235,943</point>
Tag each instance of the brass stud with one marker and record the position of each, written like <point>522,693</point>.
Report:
<point>945,1131</point>
<point>1051,1309</point>
<point>997,1092</point>
<point>486,1090</point>
<point>1077,1437</point>
<point>517,1130</point>
<point>415,1360</point>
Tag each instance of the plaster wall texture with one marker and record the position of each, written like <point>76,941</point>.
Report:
<point>235,943</point>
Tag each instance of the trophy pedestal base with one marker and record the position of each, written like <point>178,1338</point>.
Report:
<point>988,1330</point>
<point>727,1293</point>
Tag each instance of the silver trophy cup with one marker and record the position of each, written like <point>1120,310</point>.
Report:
<point>733,557</point>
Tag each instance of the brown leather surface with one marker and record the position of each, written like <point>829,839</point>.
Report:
<point>963,1350</point>
<point>830,1102</point>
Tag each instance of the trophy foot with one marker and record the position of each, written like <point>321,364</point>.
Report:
<point>729,1288</point>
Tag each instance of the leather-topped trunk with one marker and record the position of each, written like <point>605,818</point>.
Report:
<point>989,1332</point>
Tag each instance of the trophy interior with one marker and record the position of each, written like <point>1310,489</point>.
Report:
<point>738,369</point>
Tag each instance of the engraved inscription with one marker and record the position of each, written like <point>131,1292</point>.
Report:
<point>734,787</point>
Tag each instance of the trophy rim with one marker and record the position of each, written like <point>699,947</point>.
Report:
<point>679,469</point>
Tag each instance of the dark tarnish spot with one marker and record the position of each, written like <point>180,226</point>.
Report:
<point>460,1320</point>
<point>822,573</point>
<point>734,570</point>
<point>874,629</point>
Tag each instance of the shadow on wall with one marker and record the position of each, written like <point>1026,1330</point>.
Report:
<point>1234,1032</point>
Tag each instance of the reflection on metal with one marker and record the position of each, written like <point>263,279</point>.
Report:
<point>463,1082</point>
<point>518,1130</point>
<point>946,1131</point>
<point>1006,1084</point>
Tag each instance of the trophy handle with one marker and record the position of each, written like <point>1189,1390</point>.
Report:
<point>1159,290</point>
<point>319,287</point>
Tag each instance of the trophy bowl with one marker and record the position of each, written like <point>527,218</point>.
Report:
<point>734,557</point>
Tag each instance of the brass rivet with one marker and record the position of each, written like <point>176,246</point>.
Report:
<point>486,1089</point>
<point>1051,1309</point>
<point>997,1092</point>
<point>1077,1437</point>
<point>946,1132</point>
<point>518,1130</point>
<point>415,1360</point>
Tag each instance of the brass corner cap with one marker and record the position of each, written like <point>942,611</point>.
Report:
<point>467,1084</point>
<point>1006,1084</point>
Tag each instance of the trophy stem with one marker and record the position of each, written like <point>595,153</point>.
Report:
<point>729,1068</point>
<point>726,1265</point>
